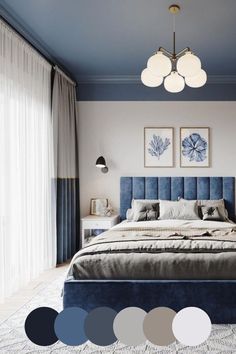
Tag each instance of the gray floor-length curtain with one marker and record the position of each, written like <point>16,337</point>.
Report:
<point>65,129</point>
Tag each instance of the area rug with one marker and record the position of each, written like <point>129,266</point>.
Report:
<point>14,340</point>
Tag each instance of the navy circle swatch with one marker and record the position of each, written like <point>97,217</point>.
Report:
<point>69,326</point>
<point>39,326</point>
<point>98,326</point>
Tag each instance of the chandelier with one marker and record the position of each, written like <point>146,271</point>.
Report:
<point>175,69</point>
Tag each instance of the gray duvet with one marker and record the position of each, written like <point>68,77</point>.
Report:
<point>158,251</point>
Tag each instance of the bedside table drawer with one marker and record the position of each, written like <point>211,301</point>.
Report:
<point>97,224</point>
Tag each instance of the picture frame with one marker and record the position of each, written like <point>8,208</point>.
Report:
<point>195,147</point>
<point>97,205</point>
<point>158,147</point>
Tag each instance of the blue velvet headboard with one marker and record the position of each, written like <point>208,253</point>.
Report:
<point>170,188</point>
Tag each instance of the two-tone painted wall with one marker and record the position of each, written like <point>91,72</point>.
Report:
<point>116,131</point>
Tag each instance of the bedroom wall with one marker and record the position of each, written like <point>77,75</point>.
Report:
<point>115,130</point>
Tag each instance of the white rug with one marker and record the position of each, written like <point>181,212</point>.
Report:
<point>14,340</point>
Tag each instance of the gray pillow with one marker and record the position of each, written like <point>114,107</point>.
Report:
<point>211,213</point>
<point>179,210</point>
<point>219,203</point>
<point>143,209</point>
<point>147,215</point>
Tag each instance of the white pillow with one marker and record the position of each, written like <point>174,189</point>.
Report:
<point>129,214</point>
<point>137,202</point>
<point>180,210</point>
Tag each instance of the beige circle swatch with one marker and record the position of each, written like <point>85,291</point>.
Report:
<point>191,326</point>
<point>128,326</point>
<point>157,326</point>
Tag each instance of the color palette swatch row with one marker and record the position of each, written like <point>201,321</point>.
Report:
<point>131,326</point>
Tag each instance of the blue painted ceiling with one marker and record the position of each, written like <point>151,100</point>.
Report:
<point>103,38</point>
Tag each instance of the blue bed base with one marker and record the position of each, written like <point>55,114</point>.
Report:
<point>216,297</point>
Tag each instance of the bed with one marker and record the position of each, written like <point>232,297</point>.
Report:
<point>161,263</point>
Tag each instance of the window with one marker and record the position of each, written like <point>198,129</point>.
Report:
<point>27,195</point>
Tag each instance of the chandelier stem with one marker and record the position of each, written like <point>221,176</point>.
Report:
<point>174,53</point>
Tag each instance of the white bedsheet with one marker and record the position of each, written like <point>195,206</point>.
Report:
<point>199,224</point>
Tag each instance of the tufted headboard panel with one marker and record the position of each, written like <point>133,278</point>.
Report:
<point>170,188</point>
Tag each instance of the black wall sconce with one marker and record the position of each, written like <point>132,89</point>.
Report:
<point>101,163</point>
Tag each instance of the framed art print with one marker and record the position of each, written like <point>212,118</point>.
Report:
<point>158,147</point>
<point>195,147</point>
<point>97,205</point>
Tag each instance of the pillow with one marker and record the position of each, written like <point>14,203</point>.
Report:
<point>211,213</point>
<point>137,203</point>
<point>219,203</point>
<point>129,214</point>
<point>147,215</point>
<point>143,209</point>
<point>144,204</point>
<point>181,210</point>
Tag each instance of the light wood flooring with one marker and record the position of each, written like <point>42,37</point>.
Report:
<point>16,301</point>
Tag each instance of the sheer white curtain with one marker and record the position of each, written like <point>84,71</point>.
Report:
<point>27,194</point>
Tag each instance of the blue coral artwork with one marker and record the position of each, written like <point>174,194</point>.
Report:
<point>158,149</point>
<point>158,146</point>
<point>194,147</point>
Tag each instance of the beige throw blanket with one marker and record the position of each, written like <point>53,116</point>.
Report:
<point>158,253</point>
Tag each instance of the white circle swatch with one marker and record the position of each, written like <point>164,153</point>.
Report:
<point>191,326</point>
<point>128,326</point>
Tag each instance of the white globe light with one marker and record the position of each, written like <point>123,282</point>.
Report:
<point>159,64</point>
<point>174,82</point>
<point>188,65</point>
<point>149,79</point>
<point>197,81</point>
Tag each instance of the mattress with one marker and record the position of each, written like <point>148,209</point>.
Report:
<point>160,249</point>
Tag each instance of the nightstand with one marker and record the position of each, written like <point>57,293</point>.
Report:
<point>91,222</point>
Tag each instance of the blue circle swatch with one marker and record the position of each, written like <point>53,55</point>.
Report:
<point>39,326</point>
<point>98,326</point>
<point>69,326</point>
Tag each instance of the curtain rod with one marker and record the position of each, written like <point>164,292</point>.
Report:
<point>53,64</point>
<point>57,68</point>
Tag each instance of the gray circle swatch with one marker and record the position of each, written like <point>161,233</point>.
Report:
<point>157,326</point>
<point>128,326</point>
<point>69,326</point>
<point>98,326</point>
<point>191,326</point>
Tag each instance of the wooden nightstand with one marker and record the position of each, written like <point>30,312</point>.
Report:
<point>91,222</point>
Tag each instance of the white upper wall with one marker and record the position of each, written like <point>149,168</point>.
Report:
<point>116,131</point>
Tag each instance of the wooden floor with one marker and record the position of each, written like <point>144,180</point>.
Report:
<point>16,301</point>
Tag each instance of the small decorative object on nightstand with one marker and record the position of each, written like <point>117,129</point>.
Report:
<point>91,222</point>
<point>100,207</point>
